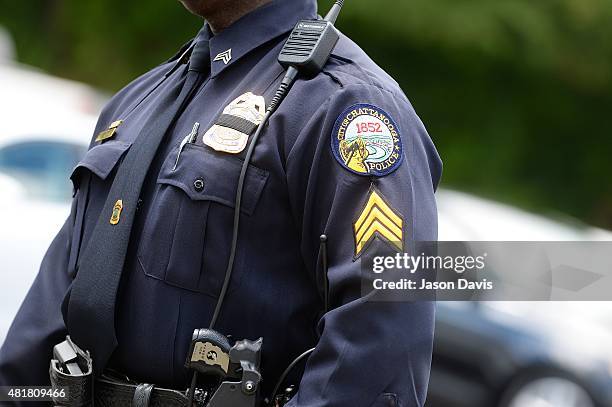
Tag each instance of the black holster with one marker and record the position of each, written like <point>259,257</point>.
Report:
<point>71,370</point>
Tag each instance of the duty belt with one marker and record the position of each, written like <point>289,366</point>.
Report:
<point>235,370</point>
<point>111,393</point>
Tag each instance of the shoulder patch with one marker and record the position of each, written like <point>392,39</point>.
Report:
<point>366,141</point>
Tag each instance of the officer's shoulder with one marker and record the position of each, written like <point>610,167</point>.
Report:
<point>352,68</point>
<point>134,91</point>
<point>138,86</point>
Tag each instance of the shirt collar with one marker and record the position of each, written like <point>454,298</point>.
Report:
<point>254,29</point>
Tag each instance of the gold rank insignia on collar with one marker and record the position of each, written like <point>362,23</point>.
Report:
<point>110,132</point>
<point>378,219</point>
<point>238,121</point>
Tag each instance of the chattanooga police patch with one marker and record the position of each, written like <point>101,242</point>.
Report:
<point>366,141</point>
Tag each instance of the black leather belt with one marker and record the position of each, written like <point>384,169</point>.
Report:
<point>110,393</point>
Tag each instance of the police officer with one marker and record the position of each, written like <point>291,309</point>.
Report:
<point>141,260</point>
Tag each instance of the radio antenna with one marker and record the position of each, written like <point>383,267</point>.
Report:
<point>334,12</point>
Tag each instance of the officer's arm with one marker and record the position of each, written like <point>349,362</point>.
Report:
<point>38,326</point>
<point>368,353</point>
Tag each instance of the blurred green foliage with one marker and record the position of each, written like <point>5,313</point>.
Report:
<point>515,93</point>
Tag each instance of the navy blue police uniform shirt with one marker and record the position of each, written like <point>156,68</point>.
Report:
<point>345,155</point>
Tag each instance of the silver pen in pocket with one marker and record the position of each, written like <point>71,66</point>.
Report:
<point>190,138</point>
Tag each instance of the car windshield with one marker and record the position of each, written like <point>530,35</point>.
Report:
<point>42,167</point>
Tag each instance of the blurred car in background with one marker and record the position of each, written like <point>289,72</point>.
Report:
<point>522,354</point>
<point>463,217</point>
<point>46,123</point>
<point>485,354</point>
<point>518,354</point>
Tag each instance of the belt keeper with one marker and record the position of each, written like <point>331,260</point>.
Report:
<point>142,395</point>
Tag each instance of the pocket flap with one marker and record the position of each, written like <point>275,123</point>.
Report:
<point>205,175</point>
<point>101,159</point>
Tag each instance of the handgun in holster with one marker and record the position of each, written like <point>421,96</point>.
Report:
<point>71,370</point>
<point>233,370</point>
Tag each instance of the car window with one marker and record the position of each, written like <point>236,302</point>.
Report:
<point>43,167</point>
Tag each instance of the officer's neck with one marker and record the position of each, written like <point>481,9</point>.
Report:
<point>221,18</point>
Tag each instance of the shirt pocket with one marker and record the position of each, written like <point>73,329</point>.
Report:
<point>96,168</point>
<point>187,234</point>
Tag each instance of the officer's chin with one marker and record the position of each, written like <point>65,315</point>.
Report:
<point>198,7</point>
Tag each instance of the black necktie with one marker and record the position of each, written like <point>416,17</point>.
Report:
<point>91,305</point>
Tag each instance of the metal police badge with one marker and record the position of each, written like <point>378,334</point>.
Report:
<point>366,141</point>
<point>239,119</point>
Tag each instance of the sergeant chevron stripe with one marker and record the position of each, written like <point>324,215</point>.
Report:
<point>224,56</point>
<point>378,219</point>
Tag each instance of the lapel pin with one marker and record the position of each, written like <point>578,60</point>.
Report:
<point>110,132</point>
<point>116,215</point>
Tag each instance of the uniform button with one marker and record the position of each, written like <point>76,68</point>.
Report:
<point>198,184</point>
